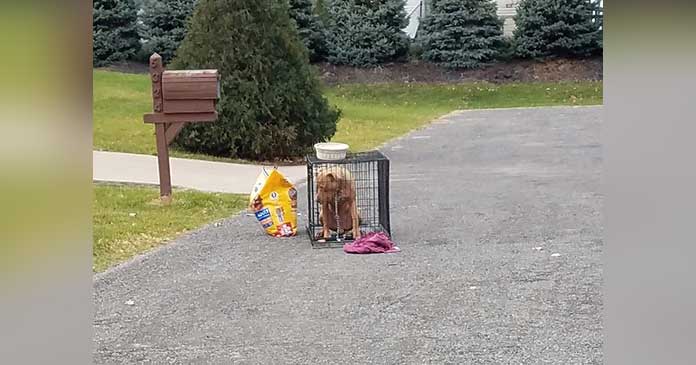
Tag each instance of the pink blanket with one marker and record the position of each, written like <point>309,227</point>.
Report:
<point>374,242</point>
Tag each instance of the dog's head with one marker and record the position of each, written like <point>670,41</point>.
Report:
<point>327,185</point>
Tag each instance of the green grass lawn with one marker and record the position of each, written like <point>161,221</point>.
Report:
<point>119,102</point>
<point>372,114</point>
<point>128,220</point>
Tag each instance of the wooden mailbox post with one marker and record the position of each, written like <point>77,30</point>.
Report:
<point>178,97</point>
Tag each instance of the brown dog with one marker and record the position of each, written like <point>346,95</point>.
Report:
<point>336,188</point>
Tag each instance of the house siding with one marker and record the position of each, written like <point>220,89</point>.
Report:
<point>416,8</point>
<point>506,11</point>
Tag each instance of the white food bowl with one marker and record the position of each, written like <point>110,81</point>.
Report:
<point>331,151</point>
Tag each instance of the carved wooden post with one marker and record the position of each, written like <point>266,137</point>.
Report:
<point>156,70</point>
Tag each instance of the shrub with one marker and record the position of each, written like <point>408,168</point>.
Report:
<point>415,51</point>
<point>461,33</point>
<point>507,51</point>
<point>114,33</point>
<point>366,32</point>
<point>310,27</point>
<point>271,106</point>
<point>563,28</point>
<point>163,26</point>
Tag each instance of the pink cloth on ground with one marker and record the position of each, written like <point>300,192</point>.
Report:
<point>373,242</point>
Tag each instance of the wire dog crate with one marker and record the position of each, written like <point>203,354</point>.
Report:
<point>362,178</point>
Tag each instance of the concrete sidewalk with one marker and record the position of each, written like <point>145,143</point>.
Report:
<point>193,174</point>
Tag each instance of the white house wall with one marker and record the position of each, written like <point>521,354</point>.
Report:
<point>413,10</point>
<point>506,10</point>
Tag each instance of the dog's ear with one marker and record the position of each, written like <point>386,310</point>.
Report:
<point>330,176</point>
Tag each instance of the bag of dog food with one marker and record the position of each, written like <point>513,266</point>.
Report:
<point>274,202</point>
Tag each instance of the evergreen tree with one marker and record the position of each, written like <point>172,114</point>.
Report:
<point>114,33</point>
<point>271,105</point>
<point>366,32</point>
<point>163,26</point>
<point>311,28</point>
<point>321,11</point>
<point>461,33</point>
<point>564,28</point>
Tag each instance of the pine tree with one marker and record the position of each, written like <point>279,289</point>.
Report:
<point>366,32</point>
<point>114,33</point>
<point>271,105</point>
<point>311,28</point>
<point>563,28</point>
<point>321,11</point>
<point>461,33</point>
<point>163,26</point>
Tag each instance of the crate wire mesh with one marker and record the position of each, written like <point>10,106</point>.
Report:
<point>370,174</point>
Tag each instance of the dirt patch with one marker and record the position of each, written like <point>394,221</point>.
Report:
<point>129,67</point>
<point>514,71</point>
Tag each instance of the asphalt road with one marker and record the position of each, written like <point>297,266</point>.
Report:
<point>497,213</point>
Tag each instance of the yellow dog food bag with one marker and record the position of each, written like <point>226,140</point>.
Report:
<point>273,201</point>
